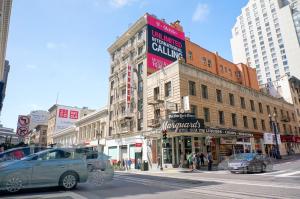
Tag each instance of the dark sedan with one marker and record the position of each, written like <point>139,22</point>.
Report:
<point>249,163</point>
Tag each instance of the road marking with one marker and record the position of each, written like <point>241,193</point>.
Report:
<point>272,172</point>
<point>289,174</point>
<point>49,196</point>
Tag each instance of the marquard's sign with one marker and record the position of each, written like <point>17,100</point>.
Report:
<point>183,122</point>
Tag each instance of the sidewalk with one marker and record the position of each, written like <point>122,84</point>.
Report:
<point>286,158</point>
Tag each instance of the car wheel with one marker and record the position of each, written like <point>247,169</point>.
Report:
<point>13,184</point>
<point>68,180</point>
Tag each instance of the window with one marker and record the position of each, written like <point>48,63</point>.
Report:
<point>234,120</point>
<point>245,120</point>
<point>293,116</point>
<point>204,91</point>
<point>194,109</point>
<point>260,107</point>
<point>252,105</point>
<point>243,103</point>
<point>231,99</point>
<point>140,68</point>
<point>206,114</point>
<point>168,89</point>
<point>263,125</point>
<point>204,60</point>
<point>192,88</point>
<point>221,117</point>
<point>190,55</point>
<point>209,64</point>
<point>140,50</point>
<point>254,123</point>
<point>156,93</point>
<point>219,95</point>
<point>268,109</point>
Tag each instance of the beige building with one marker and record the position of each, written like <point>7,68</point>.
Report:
<point>38,135</point>
<point>62,117</point>
<point>89,131</point>
<point>5,11</point>
<point>236,117</point>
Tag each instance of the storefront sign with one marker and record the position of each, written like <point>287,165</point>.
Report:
<point>138,144</point>
<point>128,87</point>
<point>297,139</point>
<point>165,44</point>
<point>183,122</point>
<point>226,140</point>
<point>287,138</point>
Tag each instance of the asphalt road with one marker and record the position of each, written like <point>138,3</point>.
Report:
<point>283,182</point>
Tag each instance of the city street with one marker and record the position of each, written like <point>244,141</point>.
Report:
<point>283,182</point>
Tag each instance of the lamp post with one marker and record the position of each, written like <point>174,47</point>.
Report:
<point>275,130</point>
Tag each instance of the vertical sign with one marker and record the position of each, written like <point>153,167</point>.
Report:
<point>128,87</point>
<point>165,44</point>
<point>23,125</point>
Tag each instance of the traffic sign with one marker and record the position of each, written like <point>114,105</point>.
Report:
<point>23,120</point>
<point>22,131</point>
<point>23,125</point>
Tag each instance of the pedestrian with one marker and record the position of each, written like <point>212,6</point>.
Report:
<point>210,161</point>
<point>126,164</point>
<point>139,162</point>
<point>158,162</point>
<point>202,159</point>
<point>129,163</point>
<point>123,164</point>
<point>194,159</point>
<point>190,160</point>
<point>198,161</point>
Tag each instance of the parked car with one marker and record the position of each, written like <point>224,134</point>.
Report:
<point>18,153</point>
<point>249,163</point>
<point>52,167</point>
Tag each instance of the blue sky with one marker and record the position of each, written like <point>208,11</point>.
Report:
<point>60,46</point>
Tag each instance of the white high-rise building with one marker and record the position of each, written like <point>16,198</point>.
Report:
<point>267,36</point>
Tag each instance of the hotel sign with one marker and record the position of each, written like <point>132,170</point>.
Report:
<point>165,44</point>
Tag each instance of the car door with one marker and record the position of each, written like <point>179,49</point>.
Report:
<point>48,168</point>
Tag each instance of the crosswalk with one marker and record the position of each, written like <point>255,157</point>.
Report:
<point>282,174</point>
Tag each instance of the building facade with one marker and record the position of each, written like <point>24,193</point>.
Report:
<point>236,117</point>
<point>38,135</point>
<point>89,131</point>
<point>5,11</point>
<point>62,117</point>
<point>8,136</point>
<point>266,36</point>
<point>145,48</point>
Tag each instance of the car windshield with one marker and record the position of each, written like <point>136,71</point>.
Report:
<point>243,156</point>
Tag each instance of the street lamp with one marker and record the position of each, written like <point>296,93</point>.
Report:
<point>275,130</point>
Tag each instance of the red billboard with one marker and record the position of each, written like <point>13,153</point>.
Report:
<point>165,44</point>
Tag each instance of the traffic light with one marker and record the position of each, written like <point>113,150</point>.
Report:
<point>164,135</point>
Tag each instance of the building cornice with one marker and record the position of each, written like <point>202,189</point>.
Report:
<point>94,115</point>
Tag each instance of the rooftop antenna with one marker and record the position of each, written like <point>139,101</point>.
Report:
<point>57,95</point>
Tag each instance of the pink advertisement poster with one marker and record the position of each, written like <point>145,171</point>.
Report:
<point>165,44</point>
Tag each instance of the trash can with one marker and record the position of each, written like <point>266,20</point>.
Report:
<point>145,166</point>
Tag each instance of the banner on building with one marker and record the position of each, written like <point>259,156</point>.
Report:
<point>128,87</point>
<point>66,117</point>
<point>165,44</point>
<point>183,122</point>
<point>269,138</point>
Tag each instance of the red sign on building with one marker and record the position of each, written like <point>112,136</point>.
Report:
<point>73,114</point>
<point>63,113</point>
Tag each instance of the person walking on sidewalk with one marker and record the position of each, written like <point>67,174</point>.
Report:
<point>190,160</point>
<point>210,161</point>
<point>202,159</point>
<point>129,164</point>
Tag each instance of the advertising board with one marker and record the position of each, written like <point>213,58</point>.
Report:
<point>66,117</point>
<point>165,44</point>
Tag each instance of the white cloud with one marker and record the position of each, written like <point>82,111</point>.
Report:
<point>53,45</point>
<point>201,13</point>
<point>120,3</point>
<point>31,66</point>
